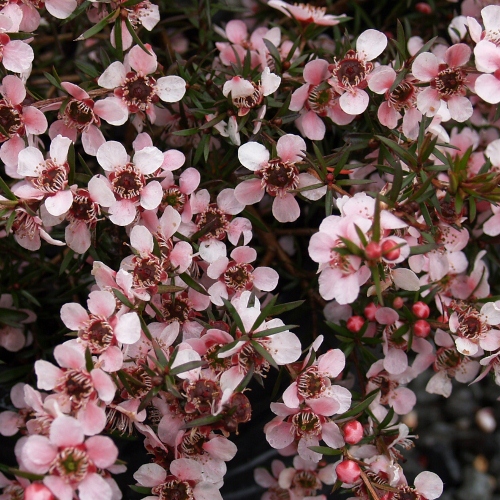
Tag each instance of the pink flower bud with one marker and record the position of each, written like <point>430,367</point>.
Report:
<point>421,328</point>
<point>355,323</point>
<point>423,8</point>
<point>370,311</point>
<point>37,491</point>
<point>373,250</point>
<point>398,303</point>
<point>348,471</point>
<point>353,432</point>
<point>421,310</point>
<point>390,250</point>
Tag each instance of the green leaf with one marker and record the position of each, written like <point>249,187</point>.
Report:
<point>14,373</point>
<point>54,81</point>
<point>134,36</point>
<point>8,193</point>
<point>281,308</point>
<point>264,313</point>
<point>140,489</point>
<point>360,406</point>
<point>325,450</point>
<point>193,284</point>
<point>89,364</point>
<point>169,289</point>
<point>263,353</point>
<point>200,422</point>
<point>273,331</point>
<point>234,315</point>
<point>148,398</point>
<point>100,25</point>
<point>400,152</point>
<point>185,367</point>
<point>12,316</point>
<point>66,261</point>
<point>119,295</point>
<point>30,298</point>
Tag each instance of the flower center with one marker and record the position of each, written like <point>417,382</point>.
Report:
<point>83,208</point>
<point>248,356</point>
<point>214,362</point>
<point>408,493</point>
<point>71,464</point>
<point>192,443</point>
<point>386,386</point>
<point>147,272</point>
<point>249,101</point>
<point>449,82</point>
<point>25,226</point>
<point>77,387</point>
<point>404,96</point>
<point>214,222</point>
<point>138,92</point>
<point>79,115</point>
<point>306,422</point>
<point>320,98</point>
<point>178,309</point>
<point>10,121</point>
<point>279,177</point>
<point>97,333</point>
<point>448,359</point>
<point>173,489</point>
<point>173,197</point>
<point>127,181</point>
<point>310,384</point>
<point>306,481</point>
<point>240,411</point>
<point>53,178</point>
<point>238,277</point>
<point>202,396</point>
<point>351,71</point>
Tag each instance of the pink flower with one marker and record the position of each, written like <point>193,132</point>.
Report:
<point>78,391</point>
<point>185,475</point>
<point>487,85</point>
<point>246,94</point>
<point>447,81</point>
<point>314,101</point>
<point>15,55</point>
<point>277,176</point>
<point>102,328</point>
<point>12,338</point>
<point>306,13</point>
<point>48,178</point>
<point>237,275</point>
<point>82,115</point>
<point>349,76</point>
<point>135,91</point>
<point>126,182</point>
<point>70,461</point>
<point>402,98</point>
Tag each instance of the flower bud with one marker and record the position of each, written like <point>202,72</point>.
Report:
<point>423,8</point>
<point>370,311</point>
<point>373,250</point>
<point>421,328</point>
<point>37,491</point>
<point>355,323</point>
<point>421,310</point>
<point>353,432</point>
<point>390,250</point>
<point>348,471</point>
<point>398,303</point>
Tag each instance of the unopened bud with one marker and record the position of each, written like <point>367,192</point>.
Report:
<point>348,471</point>
<point>421,310</point>
<point>390,250</point>
<point>373,250</point>
<point>370,311</point>
<point>355,323</point>
<point>398,303</point>
<point>423,8</point>
<point>421,328</point>
<point>353,432</point>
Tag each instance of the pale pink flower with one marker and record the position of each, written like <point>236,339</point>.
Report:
<point>247,95</point>
<point>313,101</point>
<point>313,386</point>
<point>474,329</point>
<point>70,461</point>
<point>401,98</point>
<point>487,85</point>
<point>81,115</point>
<point>236,275</point>
<point>349,76</point>
<point>12,338</point>
<point>447,82</point>
<point>48,178</point>
<point>126,183</point>
<point>78,391</point>
<point>278,176</point>
<point>15,55</point>
<point>135,91</point>
<point>306,13</point>
<point>103,327</point>
<point>449,364</point>
<point>185,474</point>
<point>216,222</point>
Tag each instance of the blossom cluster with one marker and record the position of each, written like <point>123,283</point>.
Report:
<point>154,198</point>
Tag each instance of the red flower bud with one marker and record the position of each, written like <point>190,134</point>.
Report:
<point>353,432</point>
<point>390,250</point>
<point>421,328</point>
<point>348,471</point>
<point>421,310</point>
<point>355,323</point>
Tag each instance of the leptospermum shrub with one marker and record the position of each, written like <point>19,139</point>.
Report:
<point>169,168</point>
